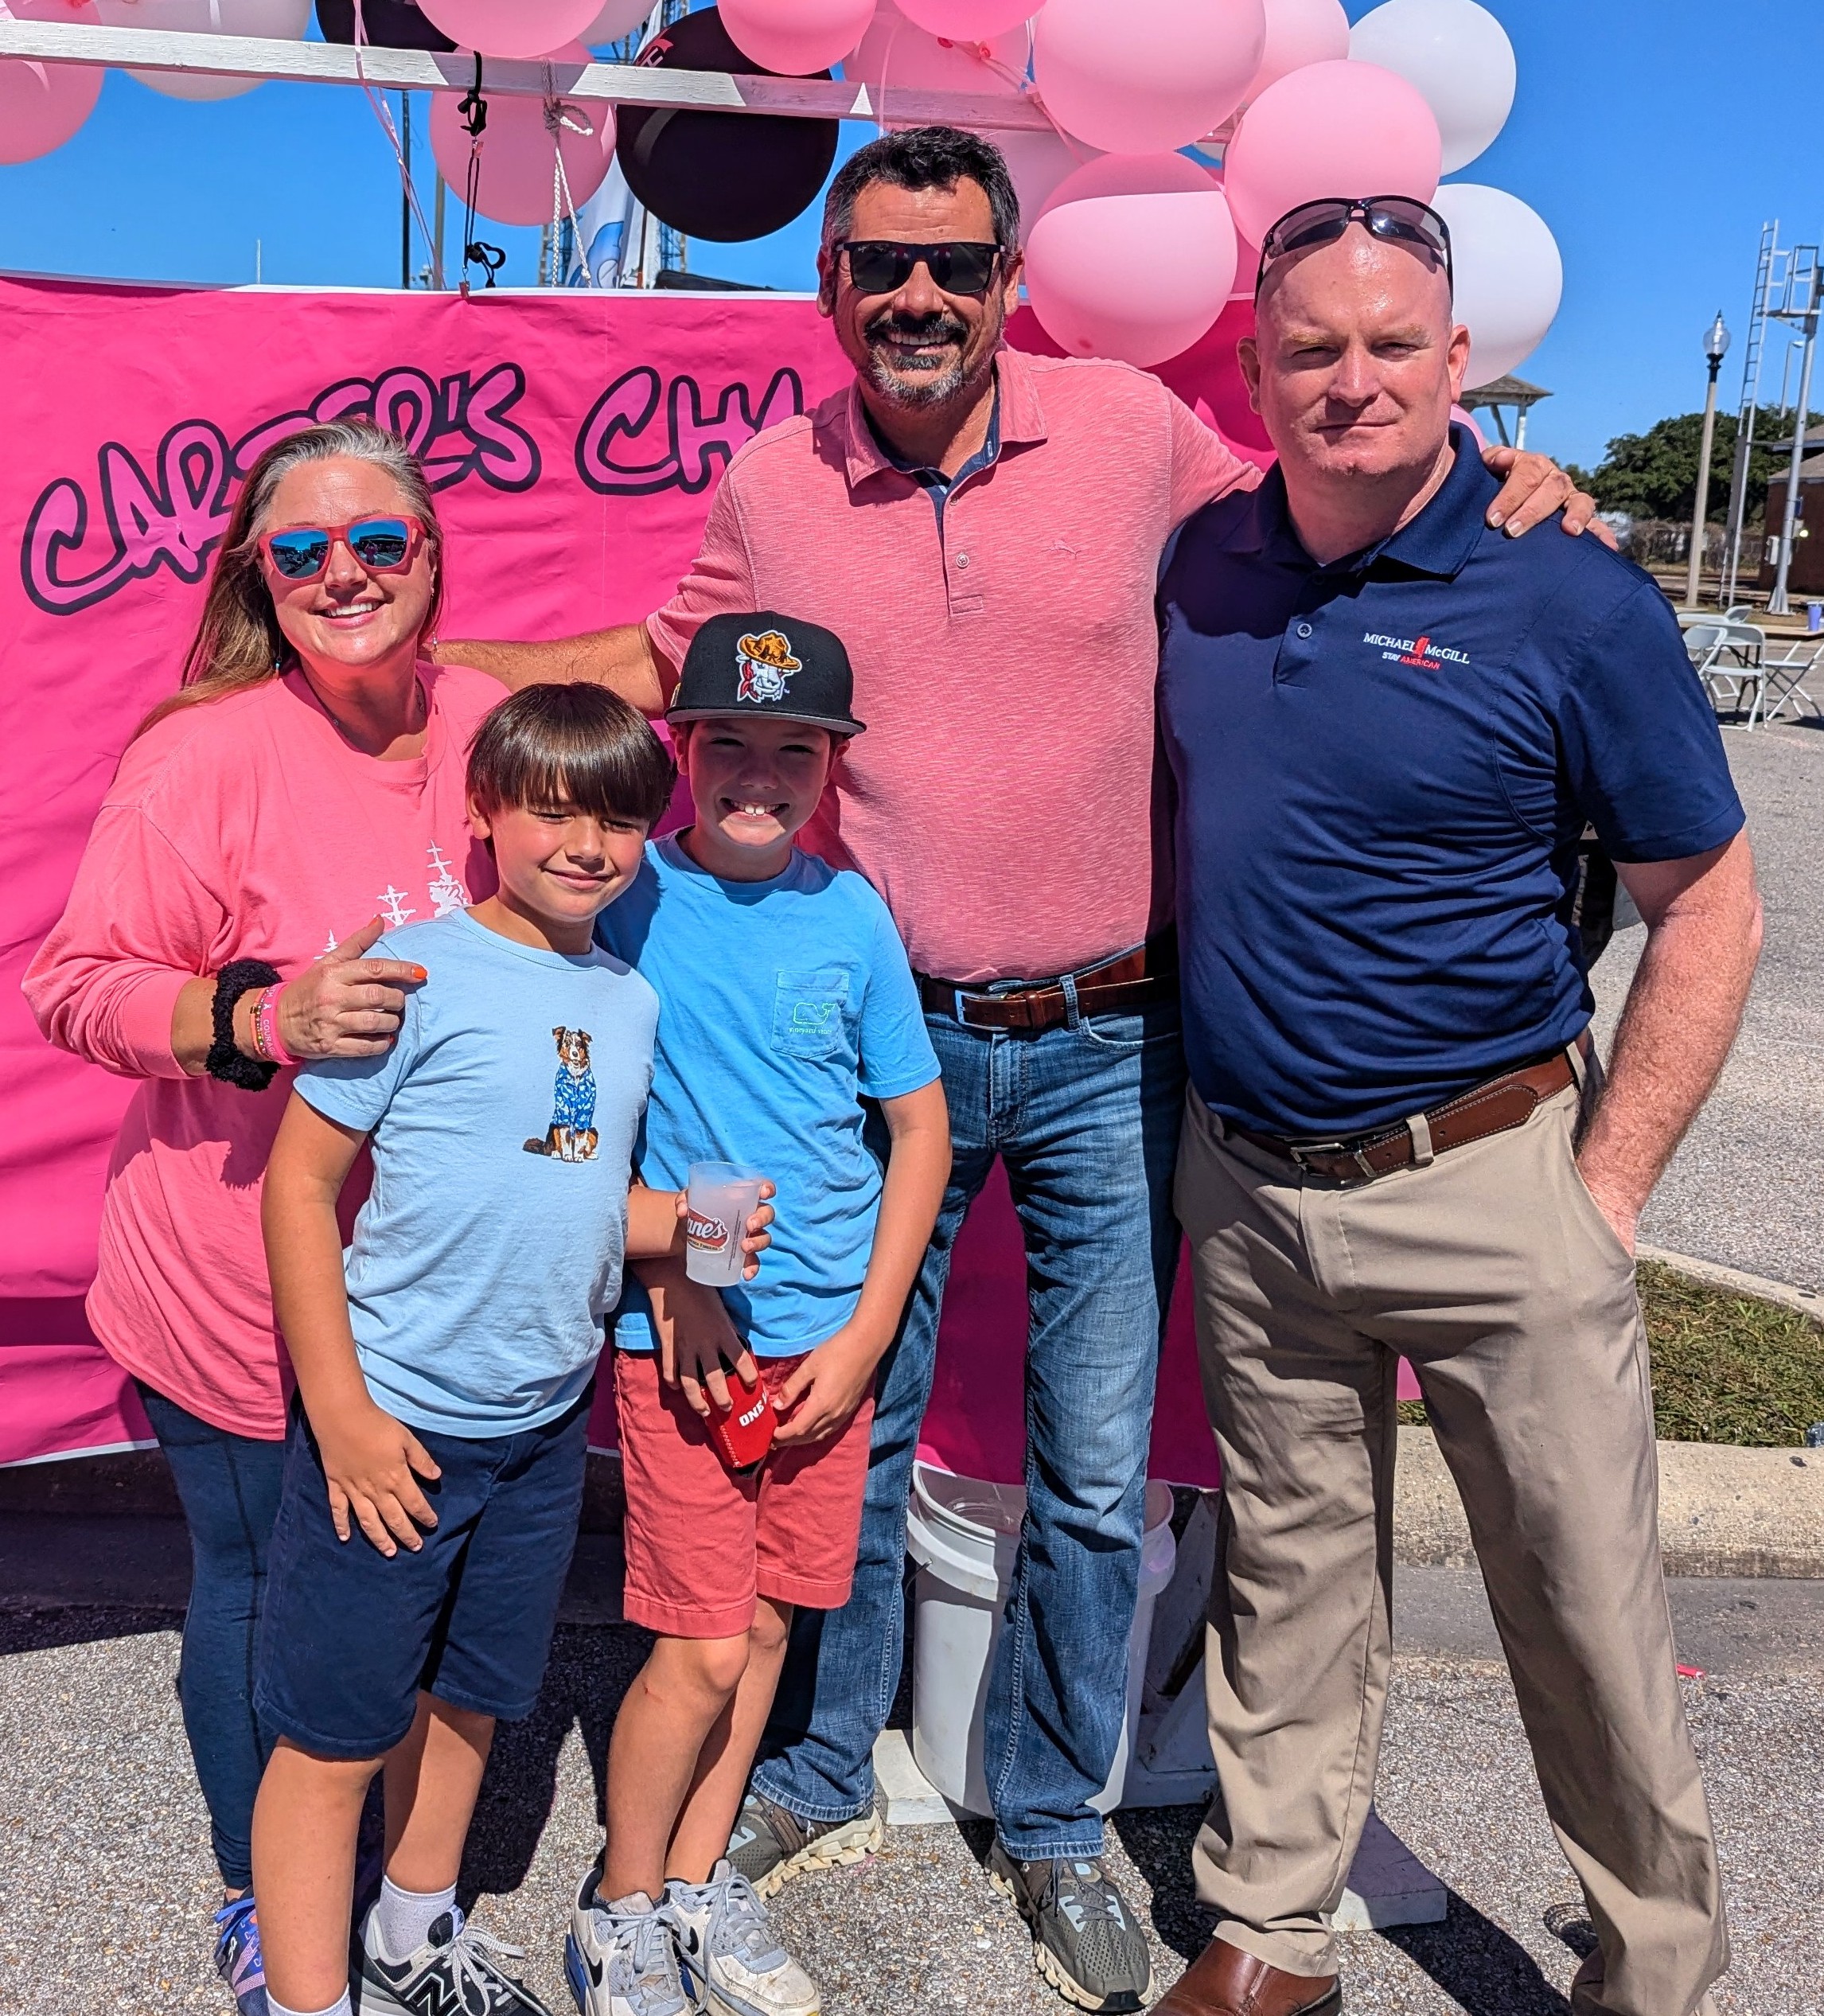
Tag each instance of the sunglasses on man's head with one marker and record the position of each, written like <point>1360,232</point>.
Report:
<point>383,545</point>
<point>960,266</point>
<point>1393,219</point>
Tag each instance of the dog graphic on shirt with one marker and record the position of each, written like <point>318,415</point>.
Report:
<point>767,663</point>
<point>572,1135</point>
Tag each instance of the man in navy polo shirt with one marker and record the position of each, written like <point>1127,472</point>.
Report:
<point>1389,726</point>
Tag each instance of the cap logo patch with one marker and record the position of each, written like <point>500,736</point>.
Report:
<point>767,663</point>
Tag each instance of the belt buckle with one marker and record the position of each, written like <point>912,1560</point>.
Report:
<point>1301,1153</point>
<point>959,996</point>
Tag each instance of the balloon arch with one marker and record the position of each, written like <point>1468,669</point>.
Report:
<point>1153,141</point>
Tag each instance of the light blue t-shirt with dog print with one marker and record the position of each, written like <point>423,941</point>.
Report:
<point>782,1005</point>
<point>502,1123</point>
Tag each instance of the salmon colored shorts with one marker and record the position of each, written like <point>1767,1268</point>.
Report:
<point>703,1544</point>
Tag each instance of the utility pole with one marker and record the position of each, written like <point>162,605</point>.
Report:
<point>404,195</point>
<point>1716,348</point>
<point>437,231</point>
<point>1777,603</point>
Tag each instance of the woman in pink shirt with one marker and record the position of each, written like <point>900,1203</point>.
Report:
<point>301,791</point>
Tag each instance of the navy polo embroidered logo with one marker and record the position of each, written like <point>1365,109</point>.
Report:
<point>1416,650</point>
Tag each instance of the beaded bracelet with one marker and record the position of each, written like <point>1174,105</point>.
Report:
<point>266,1039</point>
<point>225,1060</point>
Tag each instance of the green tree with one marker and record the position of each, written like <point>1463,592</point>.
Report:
<point>1655,474</point>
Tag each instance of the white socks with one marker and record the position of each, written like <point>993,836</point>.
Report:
<point>340,2007</point>
<point>402,1918</point>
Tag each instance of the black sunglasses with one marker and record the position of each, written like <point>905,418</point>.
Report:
<point>960,266</point>
<point>1395,219</point>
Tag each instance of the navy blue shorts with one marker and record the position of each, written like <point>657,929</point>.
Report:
<point>349,1638</point>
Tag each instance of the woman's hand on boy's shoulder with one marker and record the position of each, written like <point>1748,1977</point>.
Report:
<point>372,1464</point>
<point>820,1398</point>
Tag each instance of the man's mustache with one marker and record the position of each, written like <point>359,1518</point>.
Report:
<point>932,329</point>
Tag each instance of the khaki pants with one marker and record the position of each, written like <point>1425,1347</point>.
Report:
<point>1492,1270</point>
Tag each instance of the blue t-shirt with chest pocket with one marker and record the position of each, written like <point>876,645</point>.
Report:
<point>781,1005</point>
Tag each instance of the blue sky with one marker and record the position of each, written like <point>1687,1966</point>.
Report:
<point>1654,136</point>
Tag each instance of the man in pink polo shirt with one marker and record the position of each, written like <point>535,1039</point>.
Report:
<point>984,529</point>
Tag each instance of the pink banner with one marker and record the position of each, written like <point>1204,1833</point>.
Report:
<point>574,440</point>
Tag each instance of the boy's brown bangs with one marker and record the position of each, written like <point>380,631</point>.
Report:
<point>550,746</point>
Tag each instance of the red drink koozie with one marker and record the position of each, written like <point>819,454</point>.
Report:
<point>743,1435</point>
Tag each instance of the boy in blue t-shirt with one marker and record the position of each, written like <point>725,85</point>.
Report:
<point>446,1374</point>
<point>785,1001</point>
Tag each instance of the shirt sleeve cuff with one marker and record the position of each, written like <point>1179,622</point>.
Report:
<point>1681,846</point>
<point>143,1021</point>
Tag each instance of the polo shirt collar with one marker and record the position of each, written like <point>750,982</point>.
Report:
<point>1022,420</point>
<point>1439,542</point>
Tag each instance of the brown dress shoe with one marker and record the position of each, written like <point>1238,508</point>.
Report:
<point>1224,1981</point>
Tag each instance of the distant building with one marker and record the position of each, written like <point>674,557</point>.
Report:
<point>1806,576</point>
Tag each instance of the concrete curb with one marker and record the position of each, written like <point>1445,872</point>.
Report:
<point>1722,1510</point>
<point>1754,1287</point>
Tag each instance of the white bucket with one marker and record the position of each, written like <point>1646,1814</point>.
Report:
<point>964,1534</point>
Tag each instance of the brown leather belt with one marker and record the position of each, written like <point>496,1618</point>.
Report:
<point>1137,979</point>
<point>1491,1108</point>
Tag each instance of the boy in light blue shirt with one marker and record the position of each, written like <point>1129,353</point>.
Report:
<point>785,1001</point>
<point>445,1369</point>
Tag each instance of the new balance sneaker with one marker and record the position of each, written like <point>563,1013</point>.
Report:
<point>728,1950</point>
<point>238,1960</point>
<point>456,1968</point>
<point>623,1963</point>
<point>1085,1941</point>
<point>768,1844</point>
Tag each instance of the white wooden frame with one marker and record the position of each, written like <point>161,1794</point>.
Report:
<point>620,83</point>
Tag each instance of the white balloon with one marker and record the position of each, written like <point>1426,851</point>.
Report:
<point>1458,56</point>
<point>1510,277</point>
<point>616,21</point>
<point>283,20</point>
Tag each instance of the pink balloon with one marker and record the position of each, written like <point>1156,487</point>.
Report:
<point>519,153</point>
<point>42,104</point>
<point>1208,378</point>
<point>1136,77</point>
<point>1299,33</point>
<point>894,56</point>
<point>1133,257</point>
<point>1330,129</point>
<point>1466,419</point>
<point>795,37</point>
<point>1037,163</point>
<point>968,20</point>
<point>512,27</point>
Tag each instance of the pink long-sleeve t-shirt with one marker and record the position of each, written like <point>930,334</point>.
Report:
<point>241,828</point>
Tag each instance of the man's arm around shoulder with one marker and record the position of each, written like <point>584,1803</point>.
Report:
<point>624,659</point>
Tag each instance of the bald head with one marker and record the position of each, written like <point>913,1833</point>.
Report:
<point>1356,362</point>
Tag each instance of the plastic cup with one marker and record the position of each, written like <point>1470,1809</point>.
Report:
<point>719,1198</point>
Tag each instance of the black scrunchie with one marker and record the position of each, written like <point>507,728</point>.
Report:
<point>225,1060</point>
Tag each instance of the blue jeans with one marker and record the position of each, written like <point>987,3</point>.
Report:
<point>228,1486</point>
<point>1085,1117</point>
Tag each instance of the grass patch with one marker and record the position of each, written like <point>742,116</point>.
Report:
<point>1726,1367</point>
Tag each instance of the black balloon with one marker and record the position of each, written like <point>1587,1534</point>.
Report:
<point>386,24</point>
<point>722,176</point>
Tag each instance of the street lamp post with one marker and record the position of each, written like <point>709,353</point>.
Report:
<point>1716,348</point>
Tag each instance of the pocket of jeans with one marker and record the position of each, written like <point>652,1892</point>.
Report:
<point>1133,1031</point>
<point>810,1012</point>
<point>1594,1215</point>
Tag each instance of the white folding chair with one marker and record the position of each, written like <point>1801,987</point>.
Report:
<point>1705,643</point>
<point>1777,683</point>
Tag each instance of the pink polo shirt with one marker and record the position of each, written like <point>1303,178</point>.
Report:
<point>1002,799</point>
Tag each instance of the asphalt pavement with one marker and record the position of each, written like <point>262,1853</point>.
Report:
<point>1747,1188</point>
<point>106,1884</point>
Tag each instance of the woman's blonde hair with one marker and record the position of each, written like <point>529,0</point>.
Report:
<point>238,642</point>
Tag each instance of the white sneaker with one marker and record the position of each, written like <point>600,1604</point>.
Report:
<point>731,1957</point>
<point>622,1963</point>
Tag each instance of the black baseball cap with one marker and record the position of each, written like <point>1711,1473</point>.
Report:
<point>763,663</point>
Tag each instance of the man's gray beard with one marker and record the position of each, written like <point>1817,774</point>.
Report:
<point>920,397</point>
